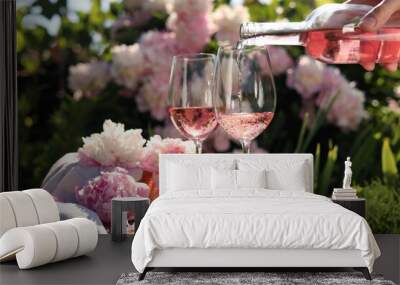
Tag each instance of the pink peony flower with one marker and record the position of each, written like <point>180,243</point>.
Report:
<point>394,106</point>
<point>192,30</point>
<point>156,146</point>
<point>280,60</point>
<point>347,110</point>
<point>307,77</point>
<point>227,20</point>
<point>113,147</point>
<point>87,79</point>
<point>153,95</point>
<point>98,192</point>
<point>192,6</point>
<point>190,21</point>
<point>158,49</point>
<point>332,78</point>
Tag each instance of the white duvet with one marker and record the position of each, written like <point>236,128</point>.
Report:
<point>254,218</point>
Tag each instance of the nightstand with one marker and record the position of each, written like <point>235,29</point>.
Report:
<point>119,210</point>
<point>355,205</point>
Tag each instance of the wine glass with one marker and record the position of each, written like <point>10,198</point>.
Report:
<point>191,106</point>
<point>245,96</point>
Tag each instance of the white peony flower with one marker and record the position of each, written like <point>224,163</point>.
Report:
<point>128,65</point>
<point>227,20</point>
<point>114,146</point>
<point>87,79</point>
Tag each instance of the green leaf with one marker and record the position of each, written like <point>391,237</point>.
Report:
<point>302,133</point>
<point>328,170</point>
<point>388,160</point>
<point>317,163</point>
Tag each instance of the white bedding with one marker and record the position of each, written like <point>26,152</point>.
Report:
<point>252,218</point>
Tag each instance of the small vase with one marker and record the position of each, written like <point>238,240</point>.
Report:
<point>151,179</point>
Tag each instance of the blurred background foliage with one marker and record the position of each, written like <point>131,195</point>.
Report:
<point>53,35</point>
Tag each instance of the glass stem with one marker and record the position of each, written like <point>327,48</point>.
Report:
<point>198,144</point>
<point>246,146</point>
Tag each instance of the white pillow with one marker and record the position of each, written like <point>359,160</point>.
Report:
<point>280,174</point>
<point>251,178</point>
<point>223,179</point>
<point>183,178</point>
<point>227,179</point>
<point>293,180</point>
<point>192,174</point>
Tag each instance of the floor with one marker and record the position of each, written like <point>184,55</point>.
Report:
<point>103,266</point>
<point>110,260</point>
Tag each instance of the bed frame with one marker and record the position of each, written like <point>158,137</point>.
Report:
<point>242,259</point>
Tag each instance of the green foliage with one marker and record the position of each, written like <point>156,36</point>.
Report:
<point>388,161</point>
<point>383,205</point>
<point>324,178</point>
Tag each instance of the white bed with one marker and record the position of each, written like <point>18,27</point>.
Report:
<point>200,223</point>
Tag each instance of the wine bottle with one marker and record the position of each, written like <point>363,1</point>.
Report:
<point>330,34</point>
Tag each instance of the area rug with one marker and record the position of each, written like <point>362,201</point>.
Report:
<point>244,278</point>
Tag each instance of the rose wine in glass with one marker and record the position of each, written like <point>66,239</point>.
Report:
<point>331,34</point>
<point>245,126</point>
<point>191,106</point>
<point>194,122</point>
<point>245,92</point>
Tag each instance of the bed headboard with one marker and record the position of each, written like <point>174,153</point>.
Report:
<point>212,159</point>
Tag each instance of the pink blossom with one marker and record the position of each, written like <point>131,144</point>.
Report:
<point>156,146</point>
<point>98,192</point>
<point>193,6</point>
<point>280,60</point>
<point>153,95</point>
<point>347,110</point>
<point>192,30</point>
<point>307,77</point>
<point>394,106</point>
<point>158,49</point>
<point>332,78</point>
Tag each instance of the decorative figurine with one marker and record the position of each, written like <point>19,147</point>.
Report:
<point>347,174</point>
